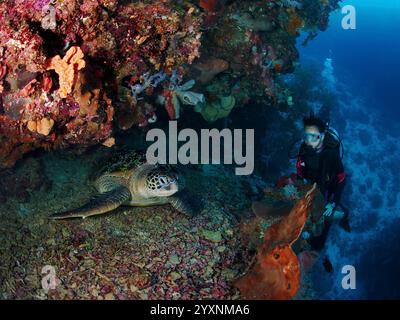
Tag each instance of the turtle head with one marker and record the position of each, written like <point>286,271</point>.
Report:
<point>161,183</point>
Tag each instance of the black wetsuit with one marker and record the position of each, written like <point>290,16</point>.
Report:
<point>326,169</point>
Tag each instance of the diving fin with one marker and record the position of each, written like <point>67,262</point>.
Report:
<point>338,215</point>
<point>344,220</point>
<point>327,265</point>
<point>100,204</point>
<point>344,223</point>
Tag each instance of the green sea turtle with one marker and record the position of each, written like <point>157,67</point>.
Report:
<point>128,179</point>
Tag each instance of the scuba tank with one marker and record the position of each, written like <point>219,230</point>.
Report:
<point>336,142</point>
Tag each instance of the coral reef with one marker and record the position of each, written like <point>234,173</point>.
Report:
<point>62,73</point>
<point>74,73</point>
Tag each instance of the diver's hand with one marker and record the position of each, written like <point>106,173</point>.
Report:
<point>330,207</point>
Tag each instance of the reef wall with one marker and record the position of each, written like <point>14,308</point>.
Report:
<point>76,72</point>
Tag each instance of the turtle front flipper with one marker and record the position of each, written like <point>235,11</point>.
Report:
<point>100,204</point>
<point>182,203</point>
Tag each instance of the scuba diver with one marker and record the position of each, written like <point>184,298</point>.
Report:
<point>319,161</point>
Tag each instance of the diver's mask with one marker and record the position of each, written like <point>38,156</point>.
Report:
<point>312,136</point>
<point>313,139</point>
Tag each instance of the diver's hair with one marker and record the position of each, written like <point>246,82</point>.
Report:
<point>313,120</point>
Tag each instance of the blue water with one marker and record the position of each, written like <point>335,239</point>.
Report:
<point>366,64</point>
<point>367,58</point>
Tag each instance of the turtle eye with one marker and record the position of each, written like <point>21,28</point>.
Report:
<point>163,180</point>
